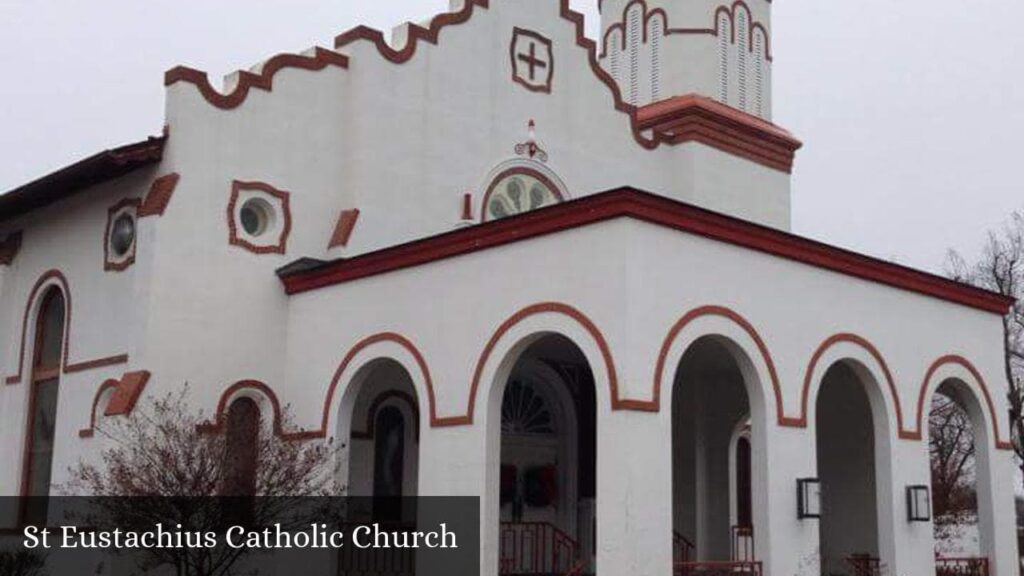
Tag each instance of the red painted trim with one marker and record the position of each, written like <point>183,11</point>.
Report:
<point>10,247</point>
<point>97,363</point>
<point>343,229</point>
<point>219,424</point>
<point>512,172</point>
<point>563,310</point>
<point>248,80</point>
<point>125,206</point>
<point>127,392</point>
<point>40,374</point>
<point>801,421</point>
<point>366,343</point>
<point>544,88</point>
<point>96,169</point>
<point>926,385</point>
<point>648,15</point>
<point>695,118</point>
<point>281,246</point>
<point>378,402</point>
<point>416,34</point>
<point>658,210</point>
<point>159,195</point>
<point>36,292</point>
<point>747,327</point>
<point>428,34</point>
<point>91,430</point>
<point>68,367</point>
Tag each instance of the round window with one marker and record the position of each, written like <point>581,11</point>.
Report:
<point>122,234</point>
<point>257,217</point>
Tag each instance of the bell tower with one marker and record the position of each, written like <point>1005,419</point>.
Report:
<point>657,49</point>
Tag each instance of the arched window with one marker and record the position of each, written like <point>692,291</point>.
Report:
<point>242,447</point>
<point>518,190</point>
<point>389,453</point>
<point>744,507</point>
<point>388,464</point>
<point>47,355</point>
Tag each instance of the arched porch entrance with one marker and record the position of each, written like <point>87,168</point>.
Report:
<point>852,434</point>
<point>548,462</point>
<point>380,418</point>
<point>959,453</point>
<point>717,437</point>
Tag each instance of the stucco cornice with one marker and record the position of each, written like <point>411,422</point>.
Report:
<point>658,210</point>
<point>695,118</point>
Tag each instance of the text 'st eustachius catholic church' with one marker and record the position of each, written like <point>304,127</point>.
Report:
<point>499,258</point>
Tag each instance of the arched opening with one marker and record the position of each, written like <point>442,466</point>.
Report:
<point>47,358</point>
<point>383,446</point>
<point>548,447</point>
<point>958,454</point>
<point>850,435</point>
<point>743,511</point>
<point>714,441</point>
<point>241,445</point>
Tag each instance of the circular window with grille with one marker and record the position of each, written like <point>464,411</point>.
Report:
<point>519,190</point>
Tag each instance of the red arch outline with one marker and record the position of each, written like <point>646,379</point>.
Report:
<point>871,349</point>
<point>985,396</point>
<point>731,315</point>
<point>68,366</point>
<point>512,171</point>
<point>218,424</point>
<point>366,343</point>
<point>548,308</point>
<point>375,407</point>
<point>33,297</point>
<point>107,385</point>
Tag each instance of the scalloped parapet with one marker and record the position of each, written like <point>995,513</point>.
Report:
<point>405,41</point>
<point>238,85</point>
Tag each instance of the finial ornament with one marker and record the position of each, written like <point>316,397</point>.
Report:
<point>530,147</point>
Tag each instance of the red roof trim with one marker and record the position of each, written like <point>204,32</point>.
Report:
<point>631,203</point>
<point>695,118</point>
<point>96,169</point>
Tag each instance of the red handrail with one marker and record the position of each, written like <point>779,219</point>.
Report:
<point>743,544</point>
<point>865,565</point>
<point>719,569</point>
<point>536,548</point>
<point>682,549</point>
<point>961,566</point>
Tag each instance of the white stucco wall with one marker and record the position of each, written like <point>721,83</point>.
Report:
<point>402,143</point>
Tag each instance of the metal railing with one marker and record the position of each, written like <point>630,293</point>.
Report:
<point>864,565</point>
<point>536,548</point>
<point>961,567</point>
<point>718,569</point>
<point>682,549</point>
<point>355,561</point>
<point>743,544</point>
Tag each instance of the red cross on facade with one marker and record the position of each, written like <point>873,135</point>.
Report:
<point>532,61</point>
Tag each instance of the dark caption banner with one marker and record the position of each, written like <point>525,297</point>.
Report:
<point>239,536</point>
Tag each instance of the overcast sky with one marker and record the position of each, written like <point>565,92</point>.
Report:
<point>911,111</point>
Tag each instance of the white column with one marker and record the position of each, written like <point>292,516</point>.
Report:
<point>912,546</point>
<point>998,527</point>
<point>787,545</point>
<point>634,493</point>
<point>454,462</point>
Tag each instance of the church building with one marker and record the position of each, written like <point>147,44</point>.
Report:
<point>498,258</point>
